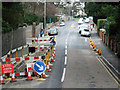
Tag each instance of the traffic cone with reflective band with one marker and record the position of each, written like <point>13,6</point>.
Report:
<point>54,53</point>
<point>13,78</point>
<point>97,51</point>
<point>29,77</point>
<point>94,48</point>
<point>2,81</point>
<point>49,64</point>
<point>52,59</point>
<point>44,75</point>
<point>90,40</point>
<point>100,53</point>
<point>48,69</point>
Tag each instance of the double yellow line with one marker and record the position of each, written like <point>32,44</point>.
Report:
<point>116,79</point>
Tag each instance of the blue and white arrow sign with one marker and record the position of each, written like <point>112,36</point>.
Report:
<point>39,67</point>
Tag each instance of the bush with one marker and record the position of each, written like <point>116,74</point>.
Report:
<point>100,23</point>
<point>30,18</point>
<point>6,27</point>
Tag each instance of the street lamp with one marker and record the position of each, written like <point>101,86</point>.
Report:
<point>72,14</point>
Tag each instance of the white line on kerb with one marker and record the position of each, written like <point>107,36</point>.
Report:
<point>65,52</point>
<point>65,60</point>
<point>63,76</point>
<point>111,65</point>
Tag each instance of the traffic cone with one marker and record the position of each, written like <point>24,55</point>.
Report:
<point>29,77</point>
<point>54,53</point>
<point>44,75</point>
<point>100,53</point>
<point>52,59</point>
<point>2,81</point>
<point>13,78</point>
<point>49,64</point>
<point>90,40</point>
<point>97,51</point>
<point>48,69</point>
<point>94,48</point>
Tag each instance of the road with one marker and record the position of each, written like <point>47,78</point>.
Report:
<point>81,69</point>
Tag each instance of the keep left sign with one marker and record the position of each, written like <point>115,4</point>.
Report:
<point>7,68</point>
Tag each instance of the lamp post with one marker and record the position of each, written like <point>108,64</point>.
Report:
<point>45,15</point>
<point>72,13</point>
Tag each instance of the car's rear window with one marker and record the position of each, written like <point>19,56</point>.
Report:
<point>86,30</point>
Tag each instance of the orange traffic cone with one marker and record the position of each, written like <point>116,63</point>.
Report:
<point>94,48</point>
<point>48,69</point>
<point>2,81</point>
<point>29,77</point>
<point>90,40</point>
<point>97,51</point>
<point>100,53</point>
<point>13,78</point>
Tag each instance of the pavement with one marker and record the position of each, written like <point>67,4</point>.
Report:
<point>107,53</point>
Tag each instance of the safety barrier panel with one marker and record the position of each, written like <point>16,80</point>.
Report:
<point>46,60</point>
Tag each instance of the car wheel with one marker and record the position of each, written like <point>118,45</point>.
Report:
<point>79,32</point>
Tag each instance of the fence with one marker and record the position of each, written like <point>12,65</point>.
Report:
<point>111,42</point>
<point>19,39</point>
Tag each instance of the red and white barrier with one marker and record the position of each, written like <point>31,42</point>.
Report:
<point>21,59</point>
<point>45,47</point>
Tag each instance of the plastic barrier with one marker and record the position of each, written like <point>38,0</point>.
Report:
<point>48,58</point>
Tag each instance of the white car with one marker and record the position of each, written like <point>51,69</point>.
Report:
<point>53,31</point>
<point>81,27</point>
<point>80,21</point>
<point>87,20</point>
<point>85,32</point>
<point>62,24</point>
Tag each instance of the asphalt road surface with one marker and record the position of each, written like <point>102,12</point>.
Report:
<point>76,65</point>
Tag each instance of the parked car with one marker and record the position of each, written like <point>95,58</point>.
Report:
<point>53,31</point>
<point>87,20</point>
<point>80,21</point>
<point>85,32</point>
<point>84,26</point>
<point>62,24</point>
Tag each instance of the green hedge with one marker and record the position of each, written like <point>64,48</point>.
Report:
<point>100,23</point>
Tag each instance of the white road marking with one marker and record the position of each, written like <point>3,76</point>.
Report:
<point>65,46</point>
<point>65,52</point>
<point>111,65</point>
<point>63,76</point>
<point>65,60</point>
<point>85,39</point>
<point>66,43</point>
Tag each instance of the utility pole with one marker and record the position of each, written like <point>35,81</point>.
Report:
<point>45,15</point>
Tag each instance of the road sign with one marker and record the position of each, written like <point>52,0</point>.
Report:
<point>7,68</point>
<point>39,67</point>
